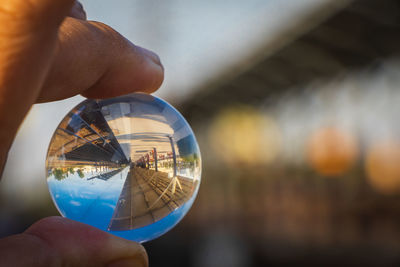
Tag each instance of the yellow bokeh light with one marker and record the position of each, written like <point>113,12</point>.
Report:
<point>382,165</point>
<point>242,135</point>
<point>332,151</point>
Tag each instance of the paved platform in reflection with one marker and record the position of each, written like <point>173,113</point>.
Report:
<point>148,196</point>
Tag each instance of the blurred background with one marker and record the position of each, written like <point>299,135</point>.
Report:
<point>296,107</point>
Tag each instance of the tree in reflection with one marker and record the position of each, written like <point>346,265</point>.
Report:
<point>71,170</point>
<point>59,174</point>
<point>62,173</point>
<point>80,173</point>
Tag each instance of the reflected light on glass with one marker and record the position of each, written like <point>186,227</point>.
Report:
<point>382,166</point>
<point>130,166</point>
<point>332,151</point>
<point>242,135</point>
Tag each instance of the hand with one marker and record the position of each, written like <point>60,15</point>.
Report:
<point>50,52</point>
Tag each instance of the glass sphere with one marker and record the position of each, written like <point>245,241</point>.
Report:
<point>129,165</point>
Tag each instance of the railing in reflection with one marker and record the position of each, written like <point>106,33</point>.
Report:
<point>106,176</point>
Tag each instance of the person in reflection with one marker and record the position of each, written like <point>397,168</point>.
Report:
<point>49,51</point>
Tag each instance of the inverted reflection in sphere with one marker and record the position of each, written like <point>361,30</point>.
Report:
<point>128,165</point>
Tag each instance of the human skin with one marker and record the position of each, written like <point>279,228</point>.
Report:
<point>49,51</point>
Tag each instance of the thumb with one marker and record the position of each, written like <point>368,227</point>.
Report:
<point>57,241</point>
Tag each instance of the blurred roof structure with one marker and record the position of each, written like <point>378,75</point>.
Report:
<point>361,35</point>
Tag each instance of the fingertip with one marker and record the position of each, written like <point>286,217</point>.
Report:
<point>131,69</point>
<point>135,70</point>
<point>151,55</point>
<point>143,70</point>
<point>152,74</point>
<point>156,73</point>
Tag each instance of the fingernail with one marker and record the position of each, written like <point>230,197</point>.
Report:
<point>150,54</point>
<point>133,262</point>
<point>78,11</point>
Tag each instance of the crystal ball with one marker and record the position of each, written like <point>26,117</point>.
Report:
<point>130,166</point>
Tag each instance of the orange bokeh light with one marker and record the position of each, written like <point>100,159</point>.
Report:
<point>382,165</point>
<point>332,151</point>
